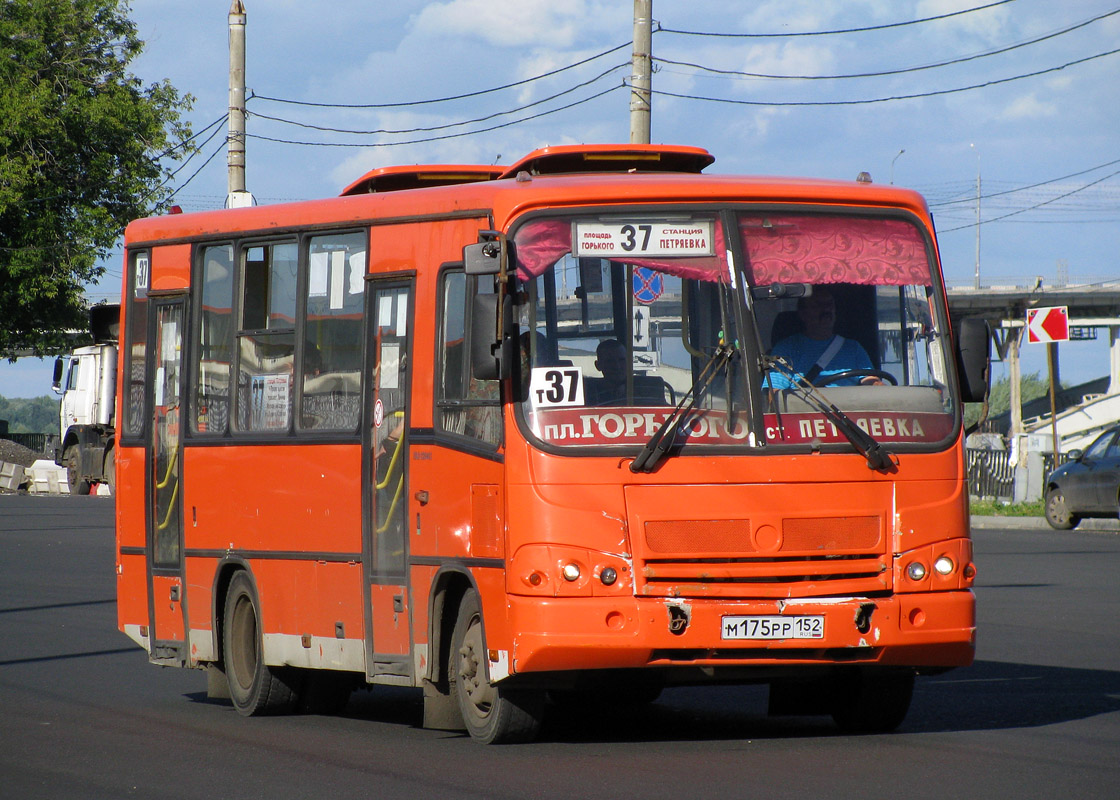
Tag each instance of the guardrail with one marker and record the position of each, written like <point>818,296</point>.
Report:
<point>990,474</point>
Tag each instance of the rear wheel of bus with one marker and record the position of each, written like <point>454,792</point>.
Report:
<point>872,701</point>
<point>492,713</point>
<point>254,687</point>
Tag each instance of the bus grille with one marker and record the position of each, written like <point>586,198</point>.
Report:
<point>798,557</point>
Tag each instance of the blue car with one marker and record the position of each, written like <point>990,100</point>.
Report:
<point>1088,485</point>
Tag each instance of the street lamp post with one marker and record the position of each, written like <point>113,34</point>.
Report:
<point>900,152</point>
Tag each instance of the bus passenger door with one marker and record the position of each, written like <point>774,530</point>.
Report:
<point>166,594</point>
<point>385,466</point>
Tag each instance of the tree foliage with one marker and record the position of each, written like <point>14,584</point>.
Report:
<point>1031,387</point>
<point>35,415</point>
<point>83,148</point>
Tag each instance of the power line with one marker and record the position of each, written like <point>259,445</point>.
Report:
<point>442,99</point>
<point>935,93</point>
<point>445,126</point>
<point>1036,206</point>
<point>833,32</point>
<point>900,71</point>
<point>1024,188</point>
<point>439,138</point>
<point>195,173</point>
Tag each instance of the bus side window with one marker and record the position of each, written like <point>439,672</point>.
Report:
<point>332,343</point>
<point>266,343</point>
<point>464,405</point>
<point>214,345</point>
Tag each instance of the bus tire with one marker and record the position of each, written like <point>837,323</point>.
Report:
<point>492,713</point>
<point>254,687</point>
<point>71,459</point>
<point>872,701</point>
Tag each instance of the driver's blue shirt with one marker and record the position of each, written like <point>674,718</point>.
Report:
<point>801,352</point>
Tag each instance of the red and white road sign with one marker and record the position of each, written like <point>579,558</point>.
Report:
<point>1048,324</point>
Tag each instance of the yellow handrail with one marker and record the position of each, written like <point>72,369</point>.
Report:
<point>393,462</point>
<point>174,493</point>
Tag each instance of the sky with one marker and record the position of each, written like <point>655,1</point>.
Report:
<point>1030,105</point>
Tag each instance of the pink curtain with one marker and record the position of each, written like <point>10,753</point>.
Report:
<point>541,244</point>
<point>833,249</point>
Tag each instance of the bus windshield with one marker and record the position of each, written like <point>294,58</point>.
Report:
<point>622,318</point>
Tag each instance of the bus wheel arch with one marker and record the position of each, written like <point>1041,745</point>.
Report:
<point>254,686</point>
<point>492,713</point>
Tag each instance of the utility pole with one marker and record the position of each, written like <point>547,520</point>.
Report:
<point>642,69</point>
<point>976,285</point>
<point>237,196</point>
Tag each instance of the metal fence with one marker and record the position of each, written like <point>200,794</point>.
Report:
<point>32,441</point>
<point>990,473</point>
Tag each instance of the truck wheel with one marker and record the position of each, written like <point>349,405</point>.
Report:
<point>110,469</point>
<point>254,687</point>
<point>493,713</point>
<point>72,462</point>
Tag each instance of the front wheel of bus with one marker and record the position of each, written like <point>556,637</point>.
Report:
<point>870,701</point>
<point>492,713</point>
<point>254,687</point>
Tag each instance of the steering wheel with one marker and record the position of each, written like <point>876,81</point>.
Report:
<point>825,380</point>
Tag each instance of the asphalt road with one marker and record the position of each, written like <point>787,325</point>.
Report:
<point>83,715</point>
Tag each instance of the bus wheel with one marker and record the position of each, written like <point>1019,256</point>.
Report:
<point>868,701</point>
<point>72,462</point>
<point>254,687</point>
<point>493,714</point>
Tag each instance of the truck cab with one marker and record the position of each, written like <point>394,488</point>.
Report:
<point>86,379</point>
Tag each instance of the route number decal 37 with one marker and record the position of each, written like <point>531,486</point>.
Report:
<point>642,238</point>
<point>556,386</point>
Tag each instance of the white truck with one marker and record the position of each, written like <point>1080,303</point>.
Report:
<point>87,381</point>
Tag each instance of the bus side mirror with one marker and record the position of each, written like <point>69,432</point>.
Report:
<point>484,258</point>
<point>974,359</point>
<point>56,382</point>
<point>491,346</point>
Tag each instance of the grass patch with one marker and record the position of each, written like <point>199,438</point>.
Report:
<point>994,508</point>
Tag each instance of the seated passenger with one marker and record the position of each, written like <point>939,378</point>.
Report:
<point>613,361</point>
<point>816,350</point>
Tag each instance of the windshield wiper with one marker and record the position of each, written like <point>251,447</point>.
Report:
<point>658,445</point>
<point>878,458</point>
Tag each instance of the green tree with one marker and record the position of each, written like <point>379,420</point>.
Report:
<point>84,148</point>
<point>999,398</point>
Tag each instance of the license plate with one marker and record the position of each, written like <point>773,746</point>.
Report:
<point>783,627</point>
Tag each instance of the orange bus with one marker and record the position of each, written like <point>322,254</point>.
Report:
<point>548,433</point>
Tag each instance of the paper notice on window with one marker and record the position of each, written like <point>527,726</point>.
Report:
<point>338,279</point>
<point>357,272</point>
<point>317,275</point>
<point>269,402</point>
<point>389,366</point>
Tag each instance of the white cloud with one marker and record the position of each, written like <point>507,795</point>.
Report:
<point>523,23</point>
<point>1027,107</point>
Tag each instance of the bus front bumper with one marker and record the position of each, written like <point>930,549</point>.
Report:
<point>934,630</point>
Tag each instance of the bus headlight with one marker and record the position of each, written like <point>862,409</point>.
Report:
<point>571,571</point>
<point>944,566</point>
<point>916,571</point>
